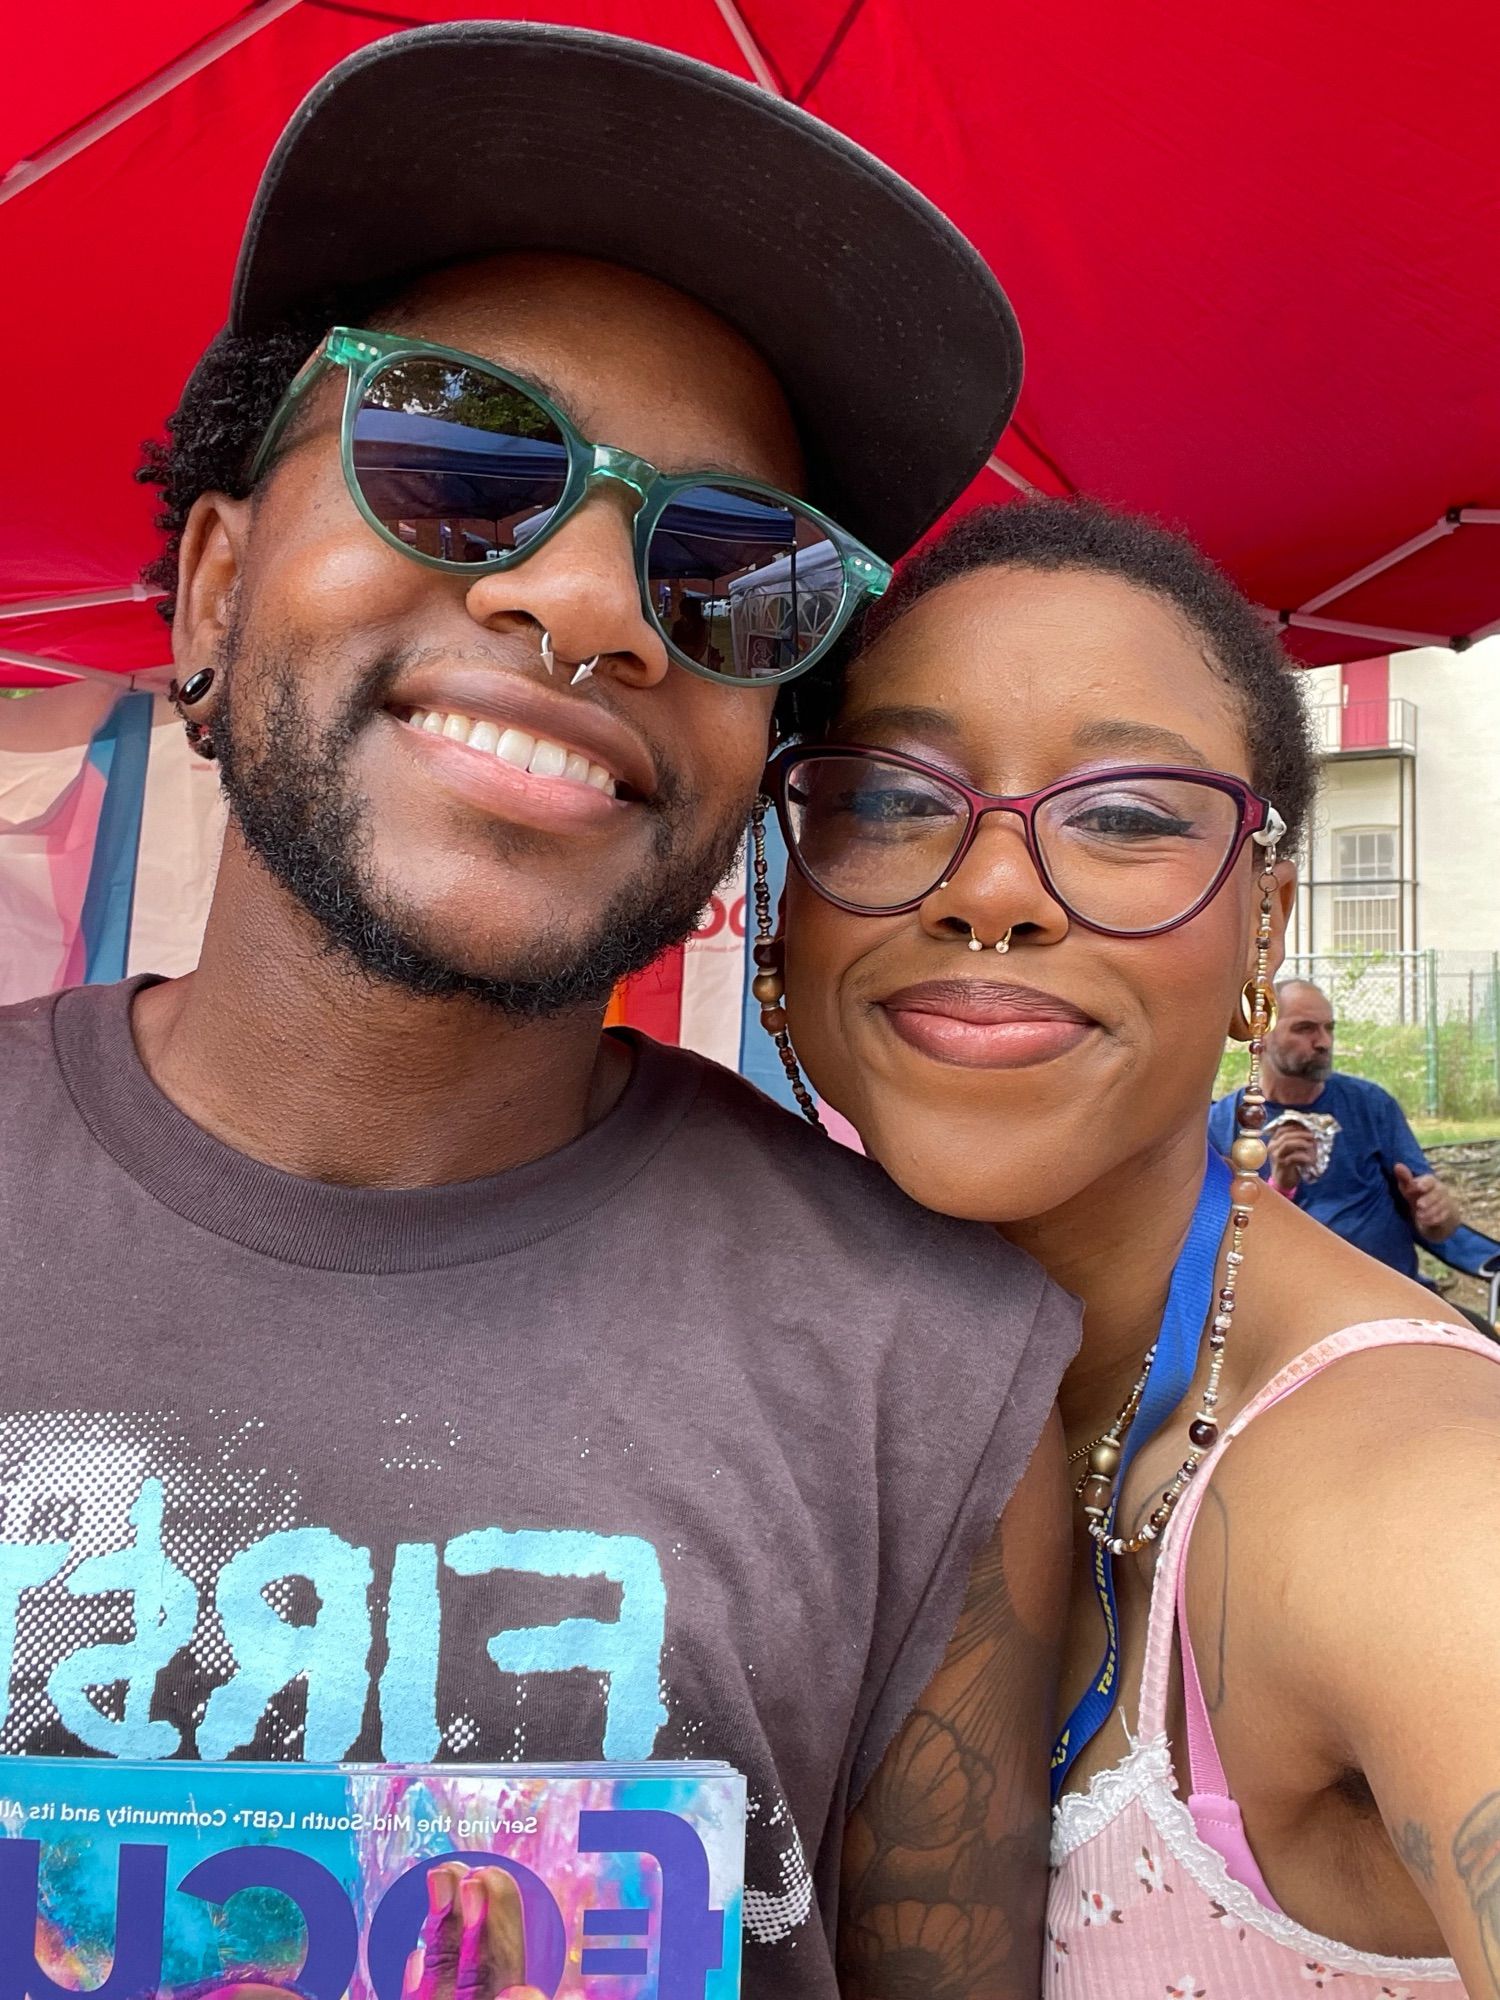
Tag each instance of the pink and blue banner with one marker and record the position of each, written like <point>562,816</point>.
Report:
<point>109,840</point>
<point>67,872</point>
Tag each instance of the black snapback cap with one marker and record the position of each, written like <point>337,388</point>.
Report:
<point>895,346</point>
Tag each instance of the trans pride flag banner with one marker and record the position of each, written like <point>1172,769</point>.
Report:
<point>698,995</point>
<point>109,839</point>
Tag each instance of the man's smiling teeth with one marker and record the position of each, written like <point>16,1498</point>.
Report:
<point>514,746</point>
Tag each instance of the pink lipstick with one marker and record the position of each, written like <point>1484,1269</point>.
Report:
<point>986,1024</point>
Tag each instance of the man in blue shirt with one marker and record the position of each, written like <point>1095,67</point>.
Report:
<point>1339,1145</point>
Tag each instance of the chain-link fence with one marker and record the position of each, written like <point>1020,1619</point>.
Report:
<point>1425,1024</point>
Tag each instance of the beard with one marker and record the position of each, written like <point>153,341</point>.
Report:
<point>289,791</point>
<point>1312,1066</point>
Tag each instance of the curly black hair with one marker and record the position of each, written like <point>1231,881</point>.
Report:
<point>211,438</point>
<point>1078,534</point>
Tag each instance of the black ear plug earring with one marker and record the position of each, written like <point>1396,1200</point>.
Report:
<point>188,695</point>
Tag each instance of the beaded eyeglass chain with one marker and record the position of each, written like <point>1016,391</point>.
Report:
<point>768,985</point>
<point>1096,1489</point>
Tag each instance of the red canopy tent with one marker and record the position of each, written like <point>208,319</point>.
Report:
<point>1255,251</point>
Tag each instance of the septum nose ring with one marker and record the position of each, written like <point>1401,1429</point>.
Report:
<point>549,660</point>
<point>1001,945</point>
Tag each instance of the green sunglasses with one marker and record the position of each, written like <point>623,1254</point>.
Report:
<point>469,469</point>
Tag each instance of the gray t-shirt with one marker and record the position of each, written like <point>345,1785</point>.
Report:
<point>678,1442</point>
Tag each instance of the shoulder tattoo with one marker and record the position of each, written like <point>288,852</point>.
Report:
<point>945,1858</point>
<point>1476,1856</point>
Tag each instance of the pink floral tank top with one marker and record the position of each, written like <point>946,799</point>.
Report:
<point>1155,1897</point>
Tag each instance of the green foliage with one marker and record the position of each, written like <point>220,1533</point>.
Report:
<point>1421,1024</point>
<point>459,395</point>
<point>1395,1056</point>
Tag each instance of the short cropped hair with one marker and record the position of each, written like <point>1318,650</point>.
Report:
<point>1052,535</point>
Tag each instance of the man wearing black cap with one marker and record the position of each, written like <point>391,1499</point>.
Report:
<point>427,1376</point>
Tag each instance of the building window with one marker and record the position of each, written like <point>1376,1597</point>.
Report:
<point>1366,894</point>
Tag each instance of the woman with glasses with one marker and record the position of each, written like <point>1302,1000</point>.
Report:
<point>1042,831</point>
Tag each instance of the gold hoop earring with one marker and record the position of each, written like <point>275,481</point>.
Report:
<point>1256,1002</point>
<point>1249,1152</point>
<point>768,985</point>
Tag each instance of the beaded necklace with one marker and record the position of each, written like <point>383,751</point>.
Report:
<point>1096,1489</point>
<point>1171,1364</point>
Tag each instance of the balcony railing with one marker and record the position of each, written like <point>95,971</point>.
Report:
<point>1366,728</point>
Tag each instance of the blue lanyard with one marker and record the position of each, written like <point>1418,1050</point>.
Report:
<point>1172,1370</point>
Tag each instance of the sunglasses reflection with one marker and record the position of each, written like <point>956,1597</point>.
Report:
<point>458,467</point>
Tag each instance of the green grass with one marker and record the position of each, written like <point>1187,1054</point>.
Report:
<point>1455,1132</point>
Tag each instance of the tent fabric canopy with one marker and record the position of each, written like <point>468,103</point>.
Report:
<point>1254,255</point>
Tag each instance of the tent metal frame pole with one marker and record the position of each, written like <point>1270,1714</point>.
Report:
<point>262,14</point>
<point>1382,563</point>
<point>79,600</point>
<point>26,173</point>
<point>995,463</point>
<point>1305,614</point>
<point>749,48</point>
<point>68,670</point>
<point>1383,634</point>
<point>1451,522</point>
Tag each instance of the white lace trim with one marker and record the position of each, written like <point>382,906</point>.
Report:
<point>1082,1816</point>
<point>1146,1774</point>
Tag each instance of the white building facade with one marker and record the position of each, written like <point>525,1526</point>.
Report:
<point>1404,850</point>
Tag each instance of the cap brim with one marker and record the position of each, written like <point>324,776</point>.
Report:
<point>896,348</point>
